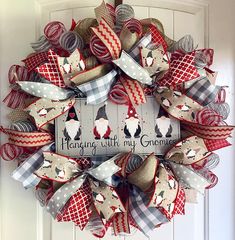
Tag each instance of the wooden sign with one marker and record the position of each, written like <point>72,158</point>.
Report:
<point>108,129</point>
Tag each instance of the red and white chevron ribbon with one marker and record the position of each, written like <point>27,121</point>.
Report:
<point>105,33</point>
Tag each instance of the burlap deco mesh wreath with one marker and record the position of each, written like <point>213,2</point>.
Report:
<point>120,59</point>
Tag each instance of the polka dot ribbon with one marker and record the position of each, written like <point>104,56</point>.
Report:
<point>63,194</point>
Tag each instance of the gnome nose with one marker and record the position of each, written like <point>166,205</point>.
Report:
<point>72,115</point>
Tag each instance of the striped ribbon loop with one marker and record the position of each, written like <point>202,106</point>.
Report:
<point>9,151</point>
<point>222,109</point>
<point>208,117</point>
<point>26,139</point>
<point>118,94</point>
<point>134,25</point>
<point>185,44</point>
<point>124,13</point>
<point>70,41</point>
<point>16,99</point>
<point>100,50</point>
<point>41,45</point>
<point>105,33</point>
<point>19,73</point>
<point>23,126</point>
<point>53,31</point>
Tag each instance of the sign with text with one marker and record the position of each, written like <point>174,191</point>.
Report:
<point>108,129</point>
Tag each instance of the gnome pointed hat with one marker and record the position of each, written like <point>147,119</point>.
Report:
<point>101,113</point>
<point>72,114</point>
<point>131,112</point>
<point>65,61</point>
<point>150,54</point>
<point>162,113</point>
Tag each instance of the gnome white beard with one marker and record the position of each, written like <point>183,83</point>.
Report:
<point>72,128</point>
<point>132,125</point>
<point>67,68</point>
<point>163,125</point>
<point>101,127</point>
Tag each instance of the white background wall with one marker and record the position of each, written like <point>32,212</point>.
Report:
<point>222,39</point>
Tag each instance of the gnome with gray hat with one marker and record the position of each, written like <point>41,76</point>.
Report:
<point>102,129</point>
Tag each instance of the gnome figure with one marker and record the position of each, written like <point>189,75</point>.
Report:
<point>102,129</point>
<point>72,129</point>
<point>163,126</point>
<point>149,60</point>
<point>67,68</point>
<point>132,124</point>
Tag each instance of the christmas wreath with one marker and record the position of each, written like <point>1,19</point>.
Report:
<point>116,59</point>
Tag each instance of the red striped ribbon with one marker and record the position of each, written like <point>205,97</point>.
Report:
<point>9,152</point>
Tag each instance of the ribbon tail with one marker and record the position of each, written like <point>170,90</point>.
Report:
<point>190,177</point>
<point>62,195</point>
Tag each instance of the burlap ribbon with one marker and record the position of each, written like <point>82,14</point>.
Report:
<point>161,180</point>
<point>27,139</point>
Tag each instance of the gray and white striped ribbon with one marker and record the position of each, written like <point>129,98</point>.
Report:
<point>41,45</point>
<point>70,41</point>
<point>23,126</point>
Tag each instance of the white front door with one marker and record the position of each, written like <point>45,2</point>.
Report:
<point>22,217</point>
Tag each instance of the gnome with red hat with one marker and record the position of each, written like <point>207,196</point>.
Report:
<point>72,129</point>
<point>102,129</point>
<point>132,123</point>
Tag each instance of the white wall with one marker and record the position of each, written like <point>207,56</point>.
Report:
<point>222,39</point>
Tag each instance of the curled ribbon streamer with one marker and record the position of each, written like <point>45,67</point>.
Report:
<point>41,45</point>
<point>19,73</point>
<point>53,31</point>
<point>23,126</point>
<point>123,12</point>
<point>132,68</point>
<point>185,44</point>
<point>78,177</point>
<point>97,90</point>
<point>45,110</point>
<point>27,139</point>
<point>134,25</point>
<point>100,50</point>
<point>118,94</point>
<point>9,152</point>
<point>70,41</point>
<point>209,117</point>
<point>16,99</point>
<point>109,38</point>
<point>222,109</point>
<point>45,90</point>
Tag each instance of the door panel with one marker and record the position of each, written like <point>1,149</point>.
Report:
<point>25,212</point>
